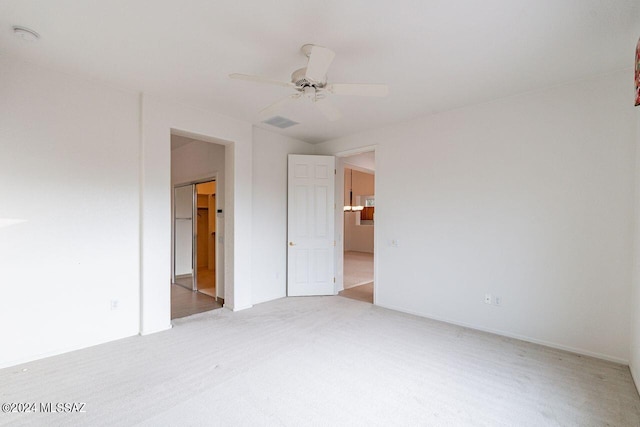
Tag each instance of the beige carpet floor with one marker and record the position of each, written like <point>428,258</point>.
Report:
<point>325,361</point>
<point>358,268</point>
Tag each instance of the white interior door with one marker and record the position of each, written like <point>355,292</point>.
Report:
<point>311,245</point>
<point>183,238</point>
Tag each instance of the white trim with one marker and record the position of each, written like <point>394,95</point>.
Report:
<point>153,331</point>
<point>354,151</point>
<point>359,168</point>
<point>244,307</point>
<point>557,346</point>
<point>198,181</point>
<point>141,163</point>
<point>633,377</point>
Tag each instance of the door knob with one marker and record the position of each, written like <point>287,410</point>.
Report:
<point>291,244</point>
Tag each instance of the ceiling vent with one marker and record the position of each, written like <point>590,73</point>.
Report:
<point>280,122</point>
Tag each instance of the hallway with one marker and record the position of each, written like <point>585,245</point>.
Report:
<point>185,302</point>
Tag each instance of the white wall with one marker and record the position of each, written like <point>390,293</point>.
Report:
<point>357,237</point>
<point>199,160</point>
<point>69,168</point>
<point>529,198</point>
<point>269,246</point>
<point>86,169</point>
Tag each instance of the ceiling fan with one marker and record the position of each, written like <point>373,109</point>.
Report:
<point>310,83</point>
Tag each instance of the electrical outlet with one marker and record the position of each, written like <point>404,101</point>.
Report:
<point>114,304</point>
<point>487,298</point>
<point>395,243</point>
<point>498,300</point>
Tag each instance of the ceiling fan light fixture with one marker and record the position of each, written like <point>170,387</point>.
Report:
<point>310,92</point>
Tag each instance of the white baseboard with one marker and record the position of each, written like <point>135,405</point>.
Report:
<point>240,308</point>
<point>64,350</point>
<point>153,331</point>
<point>633,377</point>
<point>570,349</point>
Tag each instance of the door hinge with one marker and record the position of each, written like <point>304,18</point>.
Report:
<point>335,171</point>
<point>334,280</point>
<point>334,243</point>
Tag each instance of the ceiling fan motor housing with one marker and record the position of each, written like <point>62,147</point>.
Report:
<point>300,79</point>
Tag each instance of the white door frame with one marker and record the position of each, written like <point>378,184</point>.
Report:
<point>159,118</point>
<point>339,231</point>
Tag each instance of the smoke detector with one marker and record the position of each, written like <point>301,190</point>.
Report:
<point>25,33</point>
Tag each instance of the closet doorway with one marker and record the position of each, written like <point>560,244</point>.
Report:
<point>195,237</point>
<point>194,261</point>
<point>197,212</point>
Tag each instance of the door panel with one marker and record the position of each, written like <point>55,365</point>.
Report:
<point>311,225</point>
<point>212,232</point>
<point>322,211</point>
<point>203,238</point>
<point>301,267</point>
<point>301,218</point>
<point>183,236</point>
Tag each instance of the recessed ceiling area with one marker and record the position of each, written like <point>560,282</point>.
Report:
<point>435,56</point>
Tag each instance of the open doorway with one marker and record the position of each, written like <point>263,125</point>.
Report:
<point>197,171</point>
<point>359,223</point>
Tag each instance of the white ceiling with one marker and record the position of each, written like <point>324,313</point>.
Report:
<point>435,55</point>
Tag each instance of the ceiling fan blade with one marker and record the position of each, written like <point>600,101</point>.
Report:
<point>357,89</point>
<point>274,108</point>
<point>260,79</point>
<point>328,110</point>
<point>319,61</point>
